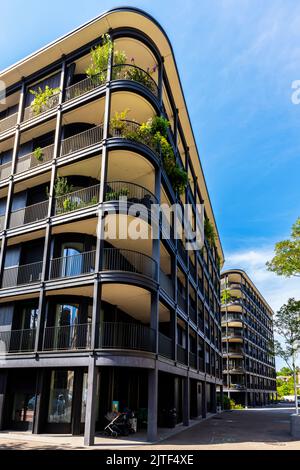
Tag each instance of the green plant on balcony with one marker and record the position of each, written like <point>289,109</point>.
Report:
<point>38,154</point>
<point>226,297</point>
<point>62,186</point>
<point>118,122</point>
<point>209,232</point>
<point>154,133</point>
<point>42,98</point>
<point>116,195</point>
<point>136,74</point>
<point>99,59</point>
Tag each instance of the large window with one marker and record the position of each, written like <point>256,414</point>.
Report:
<point>61,396</point>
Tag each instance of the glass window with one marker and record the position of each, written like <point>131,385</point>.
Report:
<point>61,396</point>
<point>23,408</point>
<point>72,259</point>
<point>84,396</point>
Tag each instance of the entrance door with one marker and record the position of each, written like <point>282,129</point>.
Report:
<point>59,417</point>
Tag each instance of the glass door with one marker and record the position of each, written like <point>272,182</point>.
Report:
<point>72,260</point>
<point>60,401</point>
<point>66,326</point>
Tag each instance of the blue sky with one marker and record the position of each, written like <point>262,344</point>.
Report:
<point>237,60</point>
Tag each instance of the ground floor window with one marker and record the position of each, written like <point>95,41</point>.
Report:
<point>23,408</point>
<point>61,396</point>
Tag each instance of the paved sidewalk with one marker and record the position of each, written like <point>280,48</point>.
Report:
<point>253,429</point>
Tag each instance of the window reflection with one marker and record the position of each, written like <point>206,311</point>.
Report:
<point>61,396</point>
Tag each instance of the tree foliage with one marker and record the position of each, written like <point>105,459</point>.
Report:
<point>286,261</point>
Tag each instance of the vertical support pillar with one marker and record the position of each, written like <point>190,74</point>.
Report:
<point>9,199</point>
<point>77,402</point>
<point>186,401</point>
<point>204,407</point>
<point>3,386</point>
<point>91,402</point>
<point>38,412</point>
<point>154,319</point>
<point>222,397</point>
<point>213,398</point>
<point>47,245</point>
<point>160,82</point>
<point>246,398</point>
<point>152,405</point>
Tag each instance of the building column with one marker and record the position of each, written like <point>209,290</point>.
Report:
<point>213,398</point>
<point>204,407</point>
<point>77,402</point>
<point>222,397</point>
<point>91,402</point>
<point>3,385</point>
<point>152,404</point>
<point>39,402</point>
<point>186,401</point>
<point>246,399</point>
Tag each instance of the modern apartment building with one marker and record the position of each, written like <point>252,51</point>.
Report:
<point>90,320</point>
<point>249,375</point>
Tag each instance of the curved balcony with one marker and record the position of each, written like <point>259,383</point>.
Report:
<point>114,259</point>
<point>234,334</point>
<point>129,261</point>
<point>129,131</point>
<point>135,74</point>
<point>29,215</point>
<point>128,336</point>
<point>134,193</point>
<point>232,317</point>
<point>235,370</point>
<point>128,72</point>
<point>233,352</point>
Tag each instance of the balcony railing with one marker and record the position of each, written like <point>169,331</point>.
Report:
<point>8,122</point>
<point>70,337</point>
<point>193,360</point>
<point>82,140</point>
<point>5,170</point>
<point>2,219</point>
<point>129,130</point>
<point>29,214</point>
<point>181,354</point>
<point>129,261</point>
<point>165,346</point>
<point>135,194</point>
<point>84,86</point>
<point>74,265</point>
<point>233,334</point>
<point>17,341</point>
<point>232,317</point>
<point>21,275</point>
<point>233,351</point>
<point>166,284</point>
<point>77,200</point>
<point>134,73</point>
<point>126,336</point>
<point>52,102</point>
<point>31,160</point>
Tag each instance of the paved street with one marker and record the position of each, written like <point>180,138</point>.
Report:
<point>259,429</point>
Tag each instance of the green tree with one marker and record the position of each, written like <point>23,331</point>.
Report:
<point>287,325</point>
<point>284,371</point>
<point>286,261</point>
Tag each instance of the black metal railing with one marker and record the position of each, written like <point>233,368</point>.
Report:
<point>181,299</point>
<point>82,140</point>
<point>134,73</point>
<point>8,122</point>
<point>193,360</point>
<point>69,337</point>
<point>233,351</point>
<point>165,346</point>
<point>127,129</point>
<point>35,159</point>
<point>232,317</point>
<point>166,284</point>
<point>115,259</point>
<point>132,336</point>
<point>5,170</point>
<point>181,354</point>
<point>29,214</point>
<point>17,341</point>
<point>77,200</point>
<point>30,112</point>
<point>84,86</point>
<point>135,193</point>
<point>21,275</point>
<point>74,265</point>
